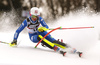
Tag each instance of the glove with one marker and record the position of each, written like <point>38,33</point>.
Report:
<point>42,29</point>
<point>13,43</point>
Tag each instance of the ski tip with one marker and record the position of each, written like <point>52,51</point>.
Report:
<point>64,53</point>
<point>80,54</point>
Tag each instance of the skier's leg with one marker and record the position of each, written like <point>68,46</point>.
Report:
<point>33,38</point>
<point>51,39</point>
<point>60,44</point>
<point>48,43</point>
<point>36,38</point>
<point>51,45</point>
<point>55,43</point>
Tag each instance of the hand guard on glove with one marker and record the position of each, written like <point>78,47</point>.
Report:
<point>13,43</point>
<point>42,29</point>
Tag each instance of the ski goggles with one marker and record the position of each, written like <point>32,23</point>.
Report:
<point>33,16</point>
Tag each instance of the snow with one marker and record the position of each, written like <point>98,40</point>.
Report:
<point>85,40</point>
<point>26,54</point>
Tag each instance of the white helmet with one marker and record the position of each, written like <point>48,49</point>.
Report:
<point>35,11</point>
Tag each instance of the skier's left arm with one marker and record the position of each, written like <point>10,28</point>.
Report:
<point>45,26</point>
<point>43,22</point>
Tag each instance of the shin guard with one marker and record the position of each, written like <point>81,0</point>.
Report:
<point>46,42</point>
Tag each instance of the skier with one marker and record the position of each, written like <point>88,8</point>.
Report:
<point>37,29</point>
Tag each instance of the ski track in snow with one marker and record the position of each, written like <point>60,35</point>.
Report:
<point>85,40</point>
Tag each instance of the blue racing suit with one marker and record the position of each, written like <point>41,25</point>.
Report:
<point>32,27</point>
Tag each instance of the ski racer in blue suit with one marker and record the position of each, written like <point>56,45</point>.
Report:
<point>33,33</point>
<point>37,29</point>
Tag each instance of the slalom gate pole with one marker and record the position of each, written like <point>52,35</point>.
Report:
<point>60,28</point>
<point>46,35</point>
<point>73,28</point>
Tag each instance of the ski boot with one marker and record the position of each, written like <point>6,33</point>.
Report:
<point>75,51</point>
<point>60,44</point>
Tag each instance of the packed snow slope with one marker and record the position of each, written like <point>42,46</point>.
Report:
<point>85,40</point>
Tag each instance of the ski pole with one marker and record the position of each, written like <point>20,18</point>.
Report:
<point>46,35</point>
<point>72,28</point>
<point>4,42</point>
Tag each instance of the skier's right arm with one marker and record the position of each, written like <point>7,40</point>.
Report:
<point>22,26</point>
